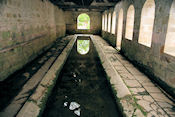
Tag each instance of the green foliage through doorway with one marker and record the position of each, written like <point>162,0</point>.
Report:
<point>83,21</point>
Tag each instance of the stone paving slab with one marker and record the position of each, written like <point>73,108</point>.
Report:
<point>145,97</point>
<point>18,101</point>
<point>35,105</point>
<point>12,109</point>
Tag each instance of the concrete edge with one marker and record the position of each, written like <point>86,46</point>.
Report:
<point>35,105</point>
<point>122,94</point>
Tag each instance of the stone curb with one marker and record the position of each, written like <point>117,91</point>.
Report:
<point>120,90</point>
<point>36,103</point>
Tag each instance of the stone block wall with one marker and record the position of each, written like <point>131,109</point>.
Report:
<point>71,22</point>
<point>152,60</point>
<point>27,28</point>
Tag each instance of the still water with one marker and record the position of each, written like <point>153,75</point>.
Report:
<point>82,89</point>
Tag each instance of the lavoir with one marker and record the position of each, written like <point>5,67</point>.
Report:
<point>87,58</point>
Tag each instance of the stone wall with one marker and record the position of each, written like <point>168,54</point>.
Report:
<point>27,28</point>
<point>152,60</point>
<point>71,22</point>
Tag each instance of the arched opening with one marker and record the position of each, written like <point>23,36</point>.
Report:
<point>106,20</point>
<point>130,23</point>
<point>83,21</point>
<point>170,37</point>
<point>83,46</point>
<point>147,23</point>
<point>103,21</point>
<point>120,28</point>
<point>113,22</point>
<point>109,22</point>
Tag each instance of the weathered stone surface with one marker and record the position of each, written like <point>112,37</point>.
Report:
<point>127,76</point>
<point>15,105</point>
<point>165,105</point>
<point>27,29</point>
<point>145,105</point>
<point>148,84</point>
<point>138,97</point>
<point>152,89</point>
<point>152,59</point>
<point>115,78</point>
<point>148,98</point>
<point>152,114</point>
<point>121,69</point>
<point>132,83</point>
<point>138,113</point>
<point>128,107</point>
<point>37,100</point>
<point>137,90</point>
<point>142,89</point>
<point>160,97</point>
<point>142,78</point>
<point>134,71</point>
<point>39,93</point>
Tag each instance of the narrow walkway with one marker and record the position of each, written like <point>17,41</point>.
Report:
<point>147,98</point>
<point>15,90</point>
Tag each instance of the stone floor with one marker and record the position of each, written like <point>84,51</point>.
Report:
<point>31,77</point>
<point>137,94</point>
<point>148,96</point>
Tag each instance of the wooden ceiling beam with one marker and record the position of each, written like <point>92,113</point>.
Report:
<point>83,7</point>
<point>100,5</point>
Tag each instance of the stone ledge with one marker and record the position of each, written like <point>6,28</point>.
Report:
<point>36,103</point>
<point>145,98</point>
<point>119,88</point>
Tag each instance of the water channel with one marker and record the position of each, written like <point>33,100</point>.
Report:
<point>82,88</point>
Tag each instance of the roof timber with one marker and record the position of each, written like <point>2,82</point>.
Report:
<point>95,5</point>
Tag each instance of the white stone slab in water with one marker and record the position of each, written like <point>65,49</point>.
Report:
<point>65,104</point>
<point>74,105</point>
<point>77,112</point>
<point>74,75</point>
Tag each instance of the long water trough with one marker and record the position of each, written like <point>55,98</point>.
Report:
<point>82,88</point>
<point>76,85</point>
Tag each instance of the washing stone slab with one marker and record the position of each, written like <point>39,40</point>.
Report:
<point>35,105</point>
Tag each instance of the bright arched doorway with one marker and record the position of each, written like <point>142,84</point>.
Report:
<point>119,30</point>
<point>147,23</point>
<point>83,21</point>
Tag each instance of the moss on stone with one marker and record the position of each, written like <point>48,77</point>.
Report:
<point>139,107</point>
<point>6,35</point>
<point>32,100</point>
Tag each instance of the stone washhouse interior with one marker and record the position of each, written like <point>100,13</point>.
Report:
<point>87,58</point>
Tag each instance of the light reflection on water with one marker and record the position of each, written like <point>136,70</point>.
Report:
<point>82,81</point>
<point>83,46</point>
<point>74,106</point>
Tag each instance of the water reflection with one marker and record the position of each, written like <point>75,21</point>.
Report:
<point>74,106</point>
<point>83,46</point>
<point>82,89</point>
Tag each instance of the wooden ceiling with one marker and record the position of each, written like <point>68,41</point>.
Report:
<point>90,5</point>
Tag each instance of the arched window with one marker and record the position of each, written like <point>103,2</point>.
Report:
<point>130,23</point>
<point>106,20</point>
<point>147,23</point>
<point>103,21</point>
<point>170,37</point>
<point>83,21</point>
<point>109,22</point>
<point>113,22</point>
<point>120,28</point>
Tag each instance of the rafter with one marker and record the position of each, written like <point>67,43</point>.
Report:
<point>85,4</point>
